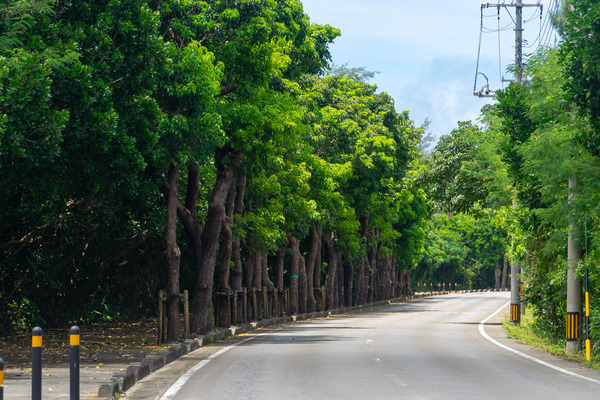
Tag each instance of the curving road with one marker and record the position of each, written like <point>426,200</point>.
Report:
<point>425,349</point>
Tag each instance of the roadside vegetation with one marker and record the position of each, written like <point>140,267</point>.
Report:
<point>513,171</point>
<point>149,145</point>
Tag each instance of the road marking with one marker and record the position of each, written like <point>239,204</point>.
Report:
<point>176,387</point>
<point>517,352</point>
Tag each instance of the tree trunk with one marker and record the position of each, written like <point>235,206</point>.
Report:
<point>281,265</point>
<point>359,285</point>
<point>348,268</point>
<point>280,272</point>
<point>236,247</point>
<point>223,311</point>
<point>504,270</point>
<point>408,280</point>
<point>249,264</point>
<point>311,257</point>
<point>496,276</point>
<point>374,284</point>
<point>302,285</point>
<point>257,285</point>
<point>294,270</point>
<point>330,284</point>
<point>317,266</point>
<point>394,275</point>
<point>187,213</point>
<point>201,314</point>
<point>266,280</point>
<point>173,254</point>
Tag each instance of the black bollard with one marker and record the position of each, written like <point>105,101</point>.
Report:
<point>36,366</point>
<point>1,379</point>
<point>74,363</point>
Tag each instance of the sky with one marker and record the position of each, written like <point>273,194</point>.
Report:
<point>425,52</point>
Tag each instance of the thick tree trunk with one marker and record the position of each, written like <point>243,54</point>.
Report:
<point>201,314</point>
<point>496,276</point>
<point>257,285</point>
<point>408,284</point>
<point>266,280</point>
<point>504,270</point>
<point>267,283</point>
<point>294,270</point>
<point>311,257</point>
<point>302,285</point>
<point>373,281</point>
<point>236,248</point>
<point>280,272</point>
<point>187,213</point>
<point>394,275</point>
<point>330,281</point>
<point>360,281</point>
<point>317,267</point>
<point>173,254</point>
<point>223,311</point>
<point>348,269</point>
<point>281,265</point>
<point>249,264</point>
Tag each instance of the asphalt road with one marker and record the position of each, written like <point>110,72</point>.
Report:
<point>424,349</point>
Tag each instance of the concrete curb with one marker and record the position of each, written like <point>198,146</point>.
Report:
<point>124,380</point>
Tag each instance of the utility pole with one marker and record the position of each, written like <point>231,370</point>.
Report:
<point>573,284</point>
<point>518,5</point>
<point>516,308</point>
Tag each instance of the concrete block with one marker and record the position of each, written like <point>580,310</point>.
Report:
<point>202,340</point>
<point>124,380</point>
<point>261,324</point>
<point>179,350</point>
<point>154,362</point>
<point>192,344</point>
<point>108,389</point>
<point>168,355</point>
<point>139,370</point>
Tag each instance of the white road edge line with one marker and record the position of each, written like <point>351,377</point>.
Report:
<point>176,387</point>
<point>517,352</point>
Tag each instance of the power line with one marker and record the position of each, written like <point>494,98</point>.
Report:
<point>518,21</point>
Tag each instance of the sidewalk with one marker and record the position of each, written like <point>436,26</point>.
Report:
<point>55,381</point>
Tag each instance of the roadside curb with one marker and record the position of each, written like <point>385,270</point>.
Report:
<point>121,381</point>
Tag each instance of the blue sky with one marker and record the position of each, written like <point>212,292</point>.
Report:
<point>426,52</point>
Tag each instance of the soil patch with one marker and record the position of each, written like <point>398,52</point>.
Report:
<point>101,344</point>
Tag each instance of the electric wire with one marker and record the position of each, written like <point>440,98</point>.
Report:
<point>478,52</point>
<point>543,37</point>
<point>555,6</point>
<point>500,53</point>
<point>539,33</point>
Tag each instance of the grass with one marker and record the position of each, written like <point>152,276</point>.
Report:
<point>526,334</point>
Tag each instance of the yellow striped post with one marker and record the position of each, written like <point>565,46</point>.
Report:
<point>588,343</point>
<point>1,379</point>
<point>36,366</point>
<point>74,363</point>
<point>515,314</point>
<point>572,326</point>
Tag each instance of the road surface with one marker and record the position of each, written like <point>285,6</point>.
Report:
<point>425,349</point>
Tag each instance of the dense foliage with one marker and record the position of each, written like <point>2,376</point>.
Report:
<point>197,145</point>
<point>212,147</point>
<point>513,172</point>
